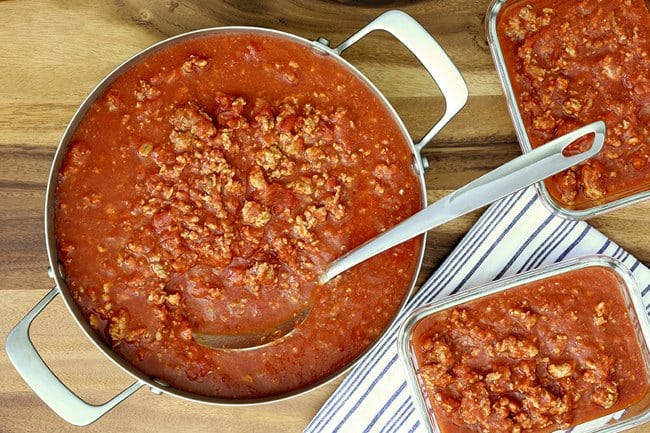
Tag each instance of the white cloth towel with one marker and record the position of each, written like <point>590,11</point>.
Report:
<point>514,235</point>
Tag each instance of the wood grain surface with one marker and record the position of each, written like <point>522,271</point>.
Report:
<point>54,52</point>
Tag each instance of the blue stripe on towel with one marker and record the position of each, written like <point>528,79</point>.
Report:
<point>390,401</point>
<point>415,426</point>
<point>401,415</point>
<point>366,392</point>
<point>523,246</point>
<point>604,247</point>
<point>575,243</point>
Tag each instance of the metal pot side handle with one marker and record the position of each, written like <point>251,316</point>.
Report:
<point>44,382</point>
<point>427,50</point>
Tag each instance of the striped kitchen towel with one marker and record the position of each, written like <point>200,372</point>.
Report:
<point>513,235</point>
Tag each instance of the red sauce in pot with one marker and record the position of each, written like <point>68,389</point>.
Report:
<point>538,357</point>
<point>207,189</point>
<point>575,62</point>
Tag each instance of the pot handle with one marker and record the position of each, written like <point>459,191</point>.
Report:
<point>427,50</point>
<point>44,382</point>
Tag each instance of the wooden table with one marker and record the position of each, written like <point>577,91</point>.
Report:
<point>54,52</point>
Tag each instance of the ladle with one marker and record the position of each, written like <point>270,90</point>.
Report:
<point>512,176</point>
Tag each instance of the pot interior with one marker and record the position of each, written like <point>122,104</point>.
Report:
<point>137,239</point>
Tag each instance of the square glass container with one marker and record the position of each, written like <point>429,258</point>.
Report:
<point>624,198</point>
<point>624,418</point>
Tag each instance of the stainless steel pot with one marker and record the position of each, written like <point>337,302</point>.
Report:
<point>20,349</point>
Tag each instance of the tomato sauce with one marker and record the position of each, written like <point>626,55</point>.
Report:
<point>542,356</point>
<point>208,188</point>
<point>575,62</point>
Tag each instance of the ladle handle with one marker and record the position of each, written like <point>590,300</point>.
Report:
<point>43,381</point>
<point>512,176</point>
<point>427,50</point>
